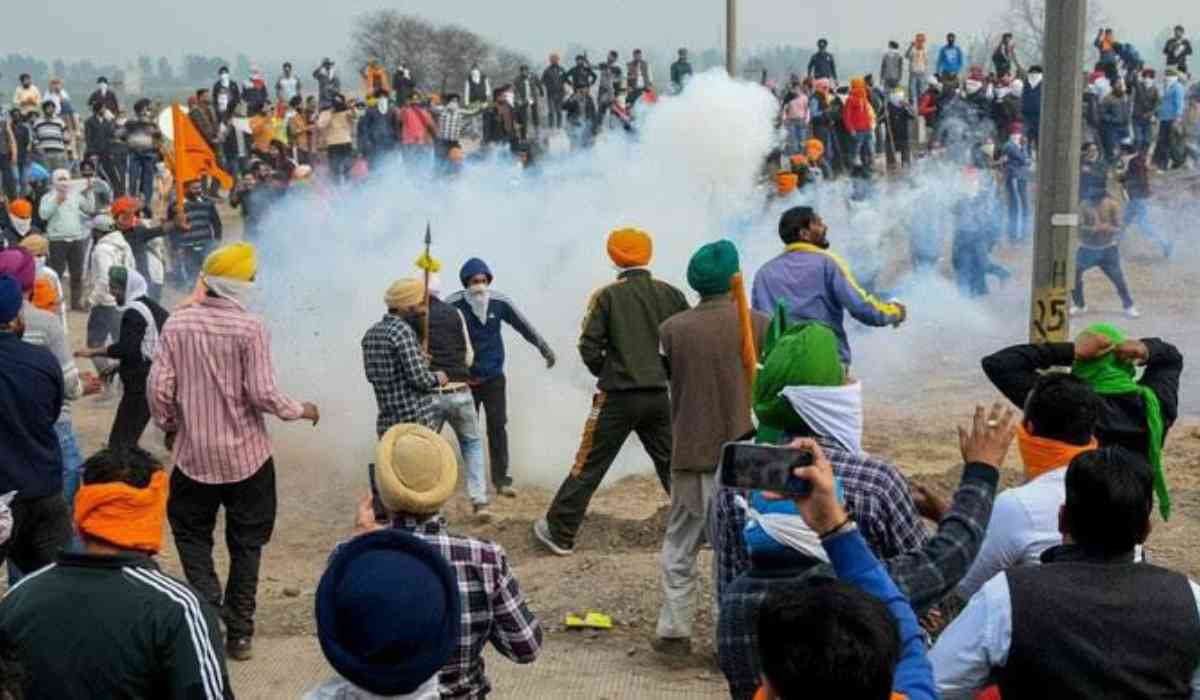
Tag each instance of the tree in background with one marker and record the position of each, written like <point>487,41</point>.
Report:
<point>1026,19</point>
<point>438,57</point>
<point>201,70</point>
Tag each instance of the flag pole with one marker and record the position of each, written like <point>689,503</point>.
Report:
<point>428,259</point>
<point>177,127</point>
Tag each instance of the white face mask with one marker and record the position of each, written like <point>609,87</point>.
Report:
<point>1147,82</point>
<point>1035,79</point>
<point>453,106</point>
<point>478,296</point>
<point>224,78</point>
<point>22,226</point>
<point>973,86</point>
<point>1172,79</point>
<point>103,88</point>
<point>382,105</point>
<point>475,76</point>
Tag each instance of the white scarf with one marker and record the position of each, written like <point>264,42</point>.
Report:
<point>236,291</point>
<point>135,289</point>
<point>788,530</point>
<point>834,412</point>
<point>479,300</point>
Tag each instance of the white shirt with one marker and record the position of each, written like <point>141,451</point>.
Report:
<point>980,638</point>
<point>1024,524</point>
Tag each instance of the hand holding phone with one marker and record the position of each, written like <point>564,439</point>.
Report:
<point>748,466</point>
<point>821,508</point>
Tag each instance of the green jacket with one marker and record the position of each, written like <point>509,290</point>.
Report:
<point>620,343</point>
<point>91,626</point>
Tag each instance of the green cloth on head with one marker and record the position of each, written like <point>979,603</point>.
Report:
<point>804,355</point>
<point>1110,376</point>
<point>118,277</point>
<point>712,268</point>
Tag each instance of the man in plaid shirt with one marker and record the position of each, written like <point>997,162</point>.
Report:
<point>395,365</point>
<point>925,574</point>
<point>450,120</point>
<point>416,473</point>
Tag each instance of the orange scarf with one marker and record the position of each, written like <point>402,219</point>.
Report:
<point>1041,455</point>
<point>123,515</point>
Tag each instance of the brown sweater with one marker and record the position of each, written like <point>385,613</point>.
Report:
<point>710,402</point>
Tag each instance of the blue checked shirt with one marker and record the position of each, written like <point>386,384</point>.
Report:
<point>926,574</point>
<point>399,374</point>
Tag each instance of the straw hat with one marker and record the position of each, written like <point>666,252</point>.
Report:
<point>416,470</point>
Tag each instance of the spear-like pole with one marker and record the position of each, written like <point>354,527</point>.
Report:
<point>428,258</point>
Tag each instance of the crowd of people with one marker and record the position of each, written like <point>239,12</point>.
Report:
<point>1036,590</point>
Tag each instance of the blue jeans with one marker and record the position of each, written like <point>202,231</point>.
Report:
<point>72,459</point>
<point>1142,129</point>
<point>1018,208</point>
<point>459,410</point>
<point>1109,261</point>
<point>918,83</point>
<point>798,131</point>
<point>969,256</point>
<point>141,176</point>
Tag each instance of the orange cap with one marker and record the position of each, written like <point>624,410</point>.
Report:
<point>787,182</point>
<point>21,208</point>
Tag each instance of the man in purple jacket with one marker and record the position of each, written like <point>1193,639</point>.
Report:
<point>814,284</point>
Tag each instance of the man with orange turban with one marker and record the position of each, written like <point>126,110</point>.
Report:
<point>152,637</point>
<point>620,346</point>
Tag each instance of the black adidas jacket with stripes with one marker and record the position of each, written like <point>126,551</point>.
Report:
<point>91,626</point>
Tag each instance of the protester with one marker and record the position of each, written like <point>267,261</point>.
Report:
<point>99,134</point>
<point>1099,246</point>
<point>388,614</point>
<point>812,283</point>
<point>620,347</point>
<point>500,120</point>
<point>950,58</point>
<point>141,324</point>
<point>152,636</point>
<point>779,563</point>
<point>47,281</point>
<point>1031,108</point>
<point>214,360</point>
<point>32,394</point>
<point>526,90</point>
<point>63,210</point>
<point>328,83</point>
<point>861,638</point>
<point>554,81</point>
<point>891,68</point>
<point>105,97</point>
<point>821,64</point>
<point>417,473</point>
<point>1135,415</point>
<point>1135,176</point>
<point>416,132</point>
<point>1017,161</point>
<point>681,71</point>
<point>394,363</point>
<point>336,126</point>
<point>51,138</point>
<point>288,86</point>
<point>1170,153</point>
<point>204,231</point>
<point>1146,103</point>
<point>140,235</point>
<point>478,88</point>
<point>485,311</point>
<point>1091,621</point>
<point>704,351</point>
<point>641,76</point>
<point>1177,51</point>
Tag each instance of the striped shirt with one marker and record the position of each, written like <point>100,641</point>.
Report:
<point>449,124</point>
<point>50,135</point>
<point>211,382</point>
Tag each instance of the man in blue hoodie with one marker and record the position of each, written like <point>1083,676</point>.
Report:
<point>485,310</point>
<point>950,58</point>
<point>1169,152</point>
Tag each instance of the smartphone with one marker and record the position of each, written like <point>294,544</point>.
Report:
<point>381,514</point>
<point>745,465</point>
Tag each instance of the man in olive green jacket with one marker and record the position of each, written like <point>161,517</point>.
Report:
<point>620,346</point>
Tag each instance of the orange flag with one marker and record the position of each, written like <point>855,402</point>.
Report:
<point>746,326</point>
<point>193,156</point>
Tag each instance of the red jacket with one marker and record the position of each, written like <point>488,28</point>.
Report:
<point>856,115</point>
<point>416,126</point>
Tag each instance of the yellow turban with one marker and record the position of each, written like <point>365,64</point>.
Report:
<point>236,262</point>
<point>404,293</point>
<point>630,247</point>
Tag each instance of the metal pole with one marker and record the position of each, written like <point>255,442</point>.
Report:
<point>731,37</point>
<point>1057,208</point>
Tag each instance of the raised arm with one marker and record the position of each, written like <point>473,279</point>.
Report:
<point>1014,370</point>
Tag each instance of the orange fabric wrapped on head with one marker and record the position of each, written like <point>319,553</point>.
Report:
<point>786,183</point>
<point>630,247</point>
<point>123,515</point>
<point>45,296</point>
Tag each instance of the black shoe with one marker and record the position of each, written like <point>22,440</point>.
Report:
<point>240,648</point>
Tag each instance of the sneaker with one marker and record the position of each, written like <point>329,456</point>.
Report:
<point>240,648</point>
<point>673,646</point>
<point>1078,310</point>
<point>541,530</point>
<point>506,491</point>
<point>482,513</point>
<point>1132,312</point>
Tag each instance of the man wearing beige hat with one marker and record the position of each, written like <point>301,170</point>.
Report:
<point>417,472</point>
<point>395,365</point>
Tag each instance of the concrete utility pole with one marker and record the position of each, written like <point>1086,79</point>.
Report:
<point>731,37</point>
<point>1058,172</point>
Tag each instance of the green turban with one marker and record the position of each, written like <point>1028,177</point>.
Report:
<point>804,355</point>
<point>1108,375</point>
<point>118,276</point>
<point>712,268</point>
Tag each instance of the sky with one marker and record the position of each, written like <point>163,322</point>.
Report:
<point>303,31</point>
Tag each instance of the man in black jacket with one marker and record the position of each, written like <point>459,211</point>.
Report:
<point>582,75</point>
<point>822,65</point>
<point>105,97</point>
<point>1177,50</point>
<point>554,82</point>
<point>99,133</point>
<point>203,233</point>
<point>136,631</point>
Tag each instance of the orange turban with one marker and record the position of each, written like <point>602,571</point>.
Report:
<point>799,159</point>
<point>21,208</point>
<point>124,206</point>
<point>815,150</point>
<point>630,247</point>
<point>45,296</point>
<point>787,182</point>
<point>124,515</point>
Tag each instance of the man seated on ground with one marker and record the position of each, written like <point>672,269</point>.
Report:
<point>802,390</point>
<point>1091,621</point>
<point>131,630</point>
<point>926,575</point>
<point>1059,423</point>
<point>416,472</point>
<point>1134,413</point>
<point>851,637</point>
<point>388,615</point>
